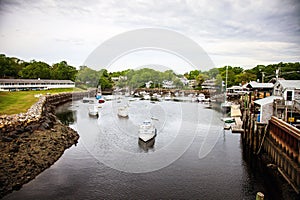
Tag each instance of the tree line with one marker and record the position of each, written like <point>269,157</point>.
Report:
<point>85,76</point>
<point>11,67</point>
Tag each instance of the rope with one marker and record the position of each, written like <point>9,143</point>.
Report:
<point>263,139</point>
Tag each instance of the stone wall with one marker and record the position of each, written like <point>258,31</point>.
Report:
<point>10,124</point>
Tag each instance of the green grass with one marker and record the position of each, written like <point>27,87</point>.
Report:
<point>21,101</point>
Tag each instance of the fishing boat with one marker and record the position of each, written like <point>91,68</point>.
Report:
<point>147,131</point>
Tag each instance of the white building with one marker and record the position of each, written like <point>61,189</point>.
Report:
<point>288,89</point>
<point>33,84</point>
<point>168,84</point>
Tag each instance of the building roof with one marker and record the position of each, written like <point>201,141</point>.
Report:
<point>295,84</point>
<point>254,84</point>
<point>34,81</point>
<point>235,87</point>
<point>267,100</point>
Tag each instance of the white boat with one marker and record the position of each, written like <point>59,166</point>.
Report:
<point>226,106</point>
<point>123,111</point>
<point>93,111</point>
<point>208,105</point>
<point>168,97</point>
<point>228,122</point>
<point>88,100</point>
<point>201,97</point>
<point>146,96</point>
<point>147,131</point>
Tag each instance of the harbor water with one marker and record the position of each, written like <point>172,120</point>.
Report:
<point>192,156</point>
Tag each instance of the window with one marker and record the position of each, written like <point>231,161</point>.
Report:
<point>289,95</point>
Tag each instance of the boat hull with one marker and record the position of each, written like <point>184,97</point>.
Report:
<point>146,137</point>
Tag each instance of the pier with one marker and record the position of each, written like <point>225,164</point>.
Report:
<point>278,140</point>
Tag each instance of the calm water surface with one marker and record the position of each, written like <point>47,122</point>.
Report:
<point>192,158</point>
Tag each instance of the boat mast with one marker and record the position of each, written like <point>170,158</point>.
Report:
<point>226,83</point>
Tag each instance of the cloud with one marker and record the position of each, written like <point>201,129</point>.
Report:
<point>256,31</point>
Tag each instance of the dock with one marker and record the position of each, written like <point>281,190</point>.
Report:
<point>236,115</point>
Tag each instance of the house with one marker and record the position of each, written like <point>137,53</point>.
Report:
<point>209,85</point>
<point>288,89</point>
<point>236,91</point>
<point>119,78</point>
<point>184,81</point>
<point>192,83</point>
<point>168,84</point>
<point>148,84</point>
<point>260,90</point>
<point>289,107</point>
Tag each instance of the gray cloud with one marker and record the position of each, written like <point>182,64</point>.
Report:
<point>230,28</point>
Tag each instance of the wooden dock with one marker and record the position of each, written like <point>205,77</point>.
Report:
<point>236,114</point>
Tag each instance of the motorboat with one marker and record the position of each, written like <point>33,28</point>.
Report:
<point>93,111</point>
<point>147,131</point>
<point>88,100</point>
<point>168,97</point>
<point>201,97</point>
<point>228,122</point>
<point>101,100</point>
<point>123,111</point>
<point>226,106</point>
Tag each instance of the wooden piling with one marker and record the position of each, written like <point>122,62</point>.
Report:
<point>260,196</point>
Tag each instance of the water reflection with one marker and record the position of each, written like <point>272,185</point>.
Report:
<point>67,117</point>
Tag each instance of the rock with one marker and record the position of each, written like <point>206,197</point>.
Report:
<point>14,149</point>
<point>45,126</point>
<point>13,135</point>
<point>33,150</point>
<point>6,139</point>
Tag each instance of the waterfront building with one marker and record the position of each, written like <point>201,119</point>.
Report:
<point>33,84</point>
<point>288,108</point>
<point>261,90</point>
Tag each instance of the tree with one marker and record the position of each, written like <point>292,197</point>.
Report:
<point>63,71</point>
<point>10,67</point>
<point>105,80</point>
<point>201,78</point>
<point>245,77</point>
<point>36,70</point>
<point>88,76</point>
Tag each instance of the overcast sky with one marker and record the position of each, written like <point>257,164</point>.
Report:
<point>238,33</point>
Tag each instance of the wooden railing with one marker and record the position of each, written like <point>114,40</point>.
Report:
<point>283,146</point>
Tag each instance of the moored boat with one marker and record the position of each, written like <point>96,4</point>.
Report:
<point>123,111</point>
<point>147,131</point>
<point>93,111</point>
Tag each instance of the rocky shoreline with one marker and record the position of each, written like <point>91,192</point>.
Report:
<point>32,142</point>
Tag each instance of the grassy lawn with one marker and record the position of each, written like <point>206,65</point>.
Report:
<point>21,101</point>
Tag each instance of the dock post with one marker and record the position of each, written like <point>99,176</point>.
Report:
<point>259,196</point>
